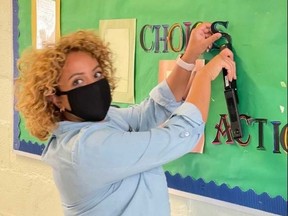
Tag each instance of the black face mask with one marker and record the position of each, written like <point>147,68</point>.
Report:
<point>90,102</point>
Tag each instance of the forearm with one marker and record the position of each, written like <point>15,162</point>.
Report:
<point>178,81</point>
<point>200,93</point>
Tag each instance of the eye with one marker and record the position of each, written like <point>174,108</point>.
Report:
<point>77,82</point>
<point>98,75</point>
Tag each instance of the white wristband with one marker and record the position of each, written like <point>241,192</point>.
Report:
<point>184,65</point>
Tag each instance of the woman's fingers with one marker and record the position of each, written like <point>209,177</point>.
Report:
<point>223,60</point>
<point>230,66</point>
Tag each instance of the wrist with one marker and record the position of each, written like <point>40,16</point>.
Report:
<point>204,75</point>
<point>190,56</point>
<point>186,65</point>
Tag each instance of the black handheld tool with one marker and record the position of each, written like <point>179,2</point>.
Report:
<point>230,88</point>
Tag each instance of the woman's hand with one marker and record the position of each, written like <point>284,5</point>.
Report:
<point>225,60</point>
<point>200,91</point>
<point>201,39</point>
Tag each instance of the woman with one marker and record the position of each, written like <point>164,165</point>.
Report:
<point>107,160</point>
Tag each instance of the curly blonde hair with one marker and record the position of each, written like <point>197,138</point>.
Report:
<point>39,72</point>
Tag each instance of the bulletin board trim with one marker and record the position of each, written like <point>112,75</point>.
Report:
<point>16,141</point>
<point>222,192</point>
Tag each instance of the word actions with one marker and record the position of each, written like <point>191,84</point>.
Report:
<point>224,129</point>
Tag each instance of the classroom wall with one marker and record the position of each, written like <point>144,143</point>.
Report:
<point>26,184</point>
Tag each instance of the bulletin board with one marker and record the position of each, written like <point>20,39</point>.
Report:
<point>251,171</point>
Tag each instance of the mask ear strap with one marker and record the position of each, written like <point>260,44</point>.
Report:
<point>59,92</point>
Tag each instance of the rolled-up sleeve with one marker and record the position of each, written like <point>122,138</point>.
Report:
<point>163,96</point>
<point>191,114</point>
<point>151,112</point>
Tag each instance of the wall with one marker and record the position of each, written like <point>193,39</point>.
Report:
<point>26,185</point>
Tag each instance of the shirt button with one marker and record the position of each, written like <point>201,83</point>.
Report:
<point>185,134</point>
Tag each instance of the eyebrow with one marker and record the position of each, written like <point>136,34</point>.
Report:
<point>80,73</point>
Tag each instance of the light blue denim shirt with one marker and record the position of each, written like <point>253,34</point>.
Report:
<point>113,167</point>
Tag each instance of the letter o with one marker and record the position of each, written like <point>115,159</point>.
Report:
<point>284,138</point>
<point>170,37</point>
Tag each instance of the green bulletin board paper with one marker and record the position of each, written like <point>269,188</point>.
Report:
<point>259,32</point>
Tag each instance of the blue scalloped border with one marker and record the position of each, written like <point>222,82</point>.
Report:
<point>29,147</point>
<point>16,143</point>
<point>248,198</point>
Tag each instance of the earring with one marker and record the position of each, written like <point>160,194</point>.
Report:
<point>62,109</point>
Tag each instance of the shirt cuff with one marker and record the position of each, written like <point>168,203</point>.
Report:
<point>162,95</point>
<point>190,113</point>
